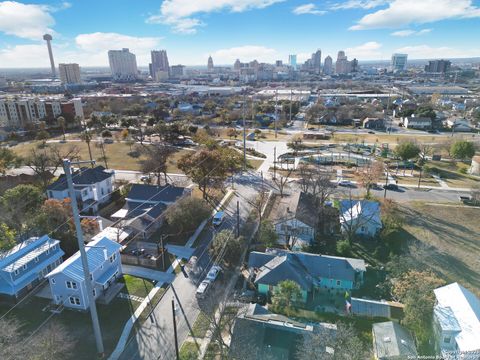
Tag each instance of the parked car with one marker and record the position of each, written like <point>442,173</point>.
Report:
<point>371,132</point>
<point>346,183</point>
<point>203,289</point>
<point>393,187</point>
<point>218,218</point>
<point>145,178</point>
<point>213,273</point>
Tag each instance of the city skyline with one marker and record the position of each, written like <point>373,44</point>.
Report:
<point>364,29</point>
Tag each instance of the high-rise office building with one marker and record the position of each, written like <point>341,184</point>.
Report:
<point>159,67</point>
<point>48,38</point>
<point>237,65</point>
<point>69,73</point>
<point>123,65</point>
<point>399,62</point>
<point>316,62</point>
<point>342,65</point>
<point>328,66</point>
<point>438,66</point>
<point>279,63</point>
<point>210,64</point>
<point>177,71</point>
<point>292,61</point>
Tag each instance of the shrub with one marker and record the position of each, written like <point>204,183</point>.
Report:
<point>343,247</point>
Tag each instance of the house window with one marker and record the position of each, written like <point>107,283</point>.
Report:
<point>74,300</point>
<point>71,285</point>
<point>94,293</point>
<point>52,280</point>
<point>338,282</point>
<point>16,272</point>
<point>362,229</point>
<point>48,251</point>
<point>36,259</point>
<point>25,267</point>
<point>447,339</point>
<point>91,277</point>
<point>50,193</point>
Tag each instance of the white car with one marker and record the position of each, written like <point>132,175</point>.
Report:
<point>203,288</point>
<point>213,273</point>
<point>218,218</point>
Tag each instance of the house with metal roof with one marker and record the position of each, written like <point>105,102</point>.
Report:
<point>144,206</point>
<point>93,187</point>
<point>310,271</point>
<point>361,217</point>
<point>24,266</point>
<point>260,334</point>
<point>67,281</point>
<point>456,322</point>
<point>391,341</point>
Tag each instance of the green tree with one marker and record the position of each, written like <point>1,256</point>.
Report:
<point>7,237</point>
<point>155,162</point>
<point>186,214</point>
<point>462,150</point>
<point>8,160</point>
<point>407,150</point>
<point>425,111</point>
<point>344,247</point>
<point>267,234</point>
<point>19,204</point>
<point>415,290</point>
<point>286,295</point>
<point>225,246</point>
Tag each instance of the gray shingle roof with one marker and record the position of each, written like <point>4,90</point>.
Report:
<point>84,176</point>
<point>153,193</point>
<point>391,340</point>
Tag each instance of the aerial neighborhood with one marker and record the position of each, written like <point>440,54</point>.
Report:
<point>282,210</point>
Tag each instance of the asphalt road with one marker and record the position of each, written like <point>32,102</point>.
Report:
<point>155,339</point>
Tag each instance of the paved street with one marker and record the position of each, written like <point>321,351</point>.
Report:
<point>155,340</point>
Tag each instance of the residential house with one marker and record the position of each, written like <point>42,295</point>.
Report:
<point>374,123</point>
<point>420,123</point>
<point>260,334</point>
<point>475,166</point>
<point>460,125</point>
<point>67,281</point>
<point>360,217</point>
<point>93,187</point>
<point>24,266</point>
<point>144,206</point>
<point>312,272</point>
<point>297,220</point>
<point>391,341</point>
<point>456,322</point>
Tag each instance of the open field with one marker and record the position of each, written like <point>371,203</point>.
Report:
<point>445,239</point>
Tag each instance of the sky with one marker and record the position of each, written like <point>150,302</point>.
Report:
<point>191,30</point>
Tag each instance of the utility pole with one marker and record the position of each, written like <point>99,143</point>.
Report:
<point>163,251</point>
<point>386,181</point>
<point>276,112</point>
<point>274,163</point>
<point>175,330</point>
<point>244,135</point>
<point>83,255</point>
<point>290,105</point>
<point>238,218</point>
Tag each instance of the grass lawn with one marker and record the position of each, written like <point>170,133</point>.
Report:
<point>444,239</point>
<point>117,154</point>
<point>188,351</point>
<point>451,173</point>
<point>200,326</point>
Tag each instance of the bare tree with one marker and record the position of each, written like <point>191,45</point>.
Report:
<point>370,175</point>
<point>10,333</point>
<point>156,160</point>
<point>328,344</point>
<point>52,342</point>
<point>281,181</point>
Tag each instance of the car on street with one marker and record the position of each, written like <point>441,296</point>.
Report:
<point>393,187</point>
<point>145,178</point>
<point>213,273</point>
<point>203,289</point>
<point>371,132</point>
<point>218,218</point>
<point>345,183</point>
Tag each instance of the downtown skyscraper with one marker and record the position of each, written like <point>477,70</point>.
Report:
<point>159,67</point>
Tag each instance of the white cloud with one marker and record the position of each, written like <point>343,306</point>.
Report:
<point>405,12</point>
<point>179,13</point>
<point>244,53</point>
<point>359,4</point>
<point>408,32</point>
<point>88,50</point>
<point>367,51</point>
<point>428,52</point>
<point>308,9</point>
<point>25,20</point>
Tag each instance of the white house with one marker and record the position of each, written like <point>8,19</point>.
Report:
<point>93,186</point>
<point>456,322</point>
<point>459,124</point>
<point>67,281</point>
<point>413,122</point>
<point>360,216</point>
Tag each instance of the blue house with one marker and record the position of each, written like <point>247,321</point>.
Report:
<point>312,272</point>
<point>24,266</point>
<point>67,282</point>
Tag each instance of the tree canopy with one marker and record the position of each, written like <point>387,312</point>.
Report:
<point>407,150</point>
<point>186,214</point>
<point>225,246</point>
<point>462,149</point>
<point>286,294</point>
<point>19,204</point>
<point>8,160</point>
